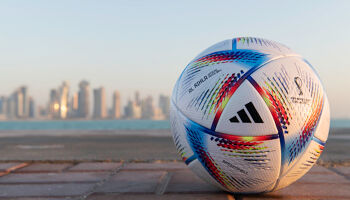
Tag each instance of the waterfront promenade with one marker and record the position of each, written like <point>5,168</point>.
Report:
<point>119,145</point>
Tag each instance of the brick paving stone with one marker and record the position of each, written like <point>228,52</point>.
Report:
<point>44,190</point>
<point>186,181</point>
<point>281,197</point>
<point>333,186</point>
<point>155,166</point>
<point>5,166</point>
<point>53,177</point>
<point>44,167</point>
<point>219,196</point>
<point>132,182</point>
<point>143,180</point>
<point>317,190</point>
<point>266,197</point>
<point>323,178</point>
<point>96,166</point>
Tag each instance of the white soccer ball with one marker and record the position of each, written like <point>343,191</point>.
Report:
<point>249,115</point>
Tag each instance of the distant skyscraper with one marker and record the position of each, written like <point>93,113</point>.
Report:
<point>75,101</point>
<point>63,100</point>
<point>116,114</point>
<point>11,107</point>
<point>164,105</point>
<point>3,105</point>
<point>137,98</point>
<point>147,108</point>
<point>158,114</point>
<point>100,111</point>
<point>25,101</point>
<point>3,108</point>
<point>54,105</point>
<point>18,97</point>
<point>73,106</point>
<point>83,99</point>
<point>132,111</point>
<point>58,103</point>
<point>128,110</point>
<point>32,110</point>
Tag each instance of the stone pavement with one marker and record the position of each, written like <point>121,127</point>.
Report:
<point>159,180</point>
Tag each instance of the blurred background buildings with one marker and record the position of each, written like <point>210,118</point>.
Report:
<point>63,105</point>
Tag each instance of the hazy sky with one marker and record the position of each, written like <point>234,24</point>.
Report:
<point>144,45</point>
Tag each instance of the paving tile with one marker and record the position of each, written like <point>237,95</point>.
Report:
<point>53,177</point>
<point>95,166</point>
<point>265,197</point>
<point>155,166</point>
<point>221,196</point>
<point>186,181</point>
<point>315,191</point>
<point>5,166</point>
<point>44,167</point>
<point>132,182</point>
<point>281,197</point>
<point>305,191</point>
<point>316,178</point>
<point>44,190</point>
<point>317,169</point>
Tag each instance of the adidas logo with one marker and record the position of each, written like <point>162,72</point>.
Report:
<point>243,116</point>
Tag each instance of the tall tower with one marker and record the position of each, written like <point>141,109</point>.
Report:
<point>100,111</point>
<point>32,110</point>
<point>54,105</point>
<point>132,111</point>
<point>25,101</point>
<point>18,97</point>
<point>164,105</point>
<point>3,107</point>
<point>11,107</point>
<point>137,98</point>
<point>116,114</point>
<point>64,92</point>
<point>83,99</point>
<point>147,108</point>
<point>73,106</point>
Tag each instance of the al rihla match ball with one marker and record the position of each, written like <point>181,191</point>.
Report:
<point>249,115</point>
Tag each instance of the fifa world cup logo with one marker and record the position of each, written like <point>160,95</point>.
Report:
<point>298,83</point>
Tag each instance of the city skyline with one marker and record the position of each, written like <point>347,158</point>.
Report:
<point>87,103</point>
<point>144,46</point>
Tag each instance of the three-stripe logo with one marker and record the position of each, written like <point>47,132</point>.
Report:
<point>243,116</point>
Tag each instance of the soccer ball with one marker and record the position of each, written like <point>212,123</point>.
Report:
<point>249,115</point>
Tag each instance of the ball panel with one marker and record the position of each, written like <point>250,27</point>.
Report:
<point>297,97</point>
<point>302,166</point>
<point>249,166</point>
<point>201,92</point>
<point>238,163</point>
<point>211,80</point>
<point>179,133</point>
<point>246,114</point>
<point>322,129</point>
<point>201,172</point>
<point>262,45</point>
